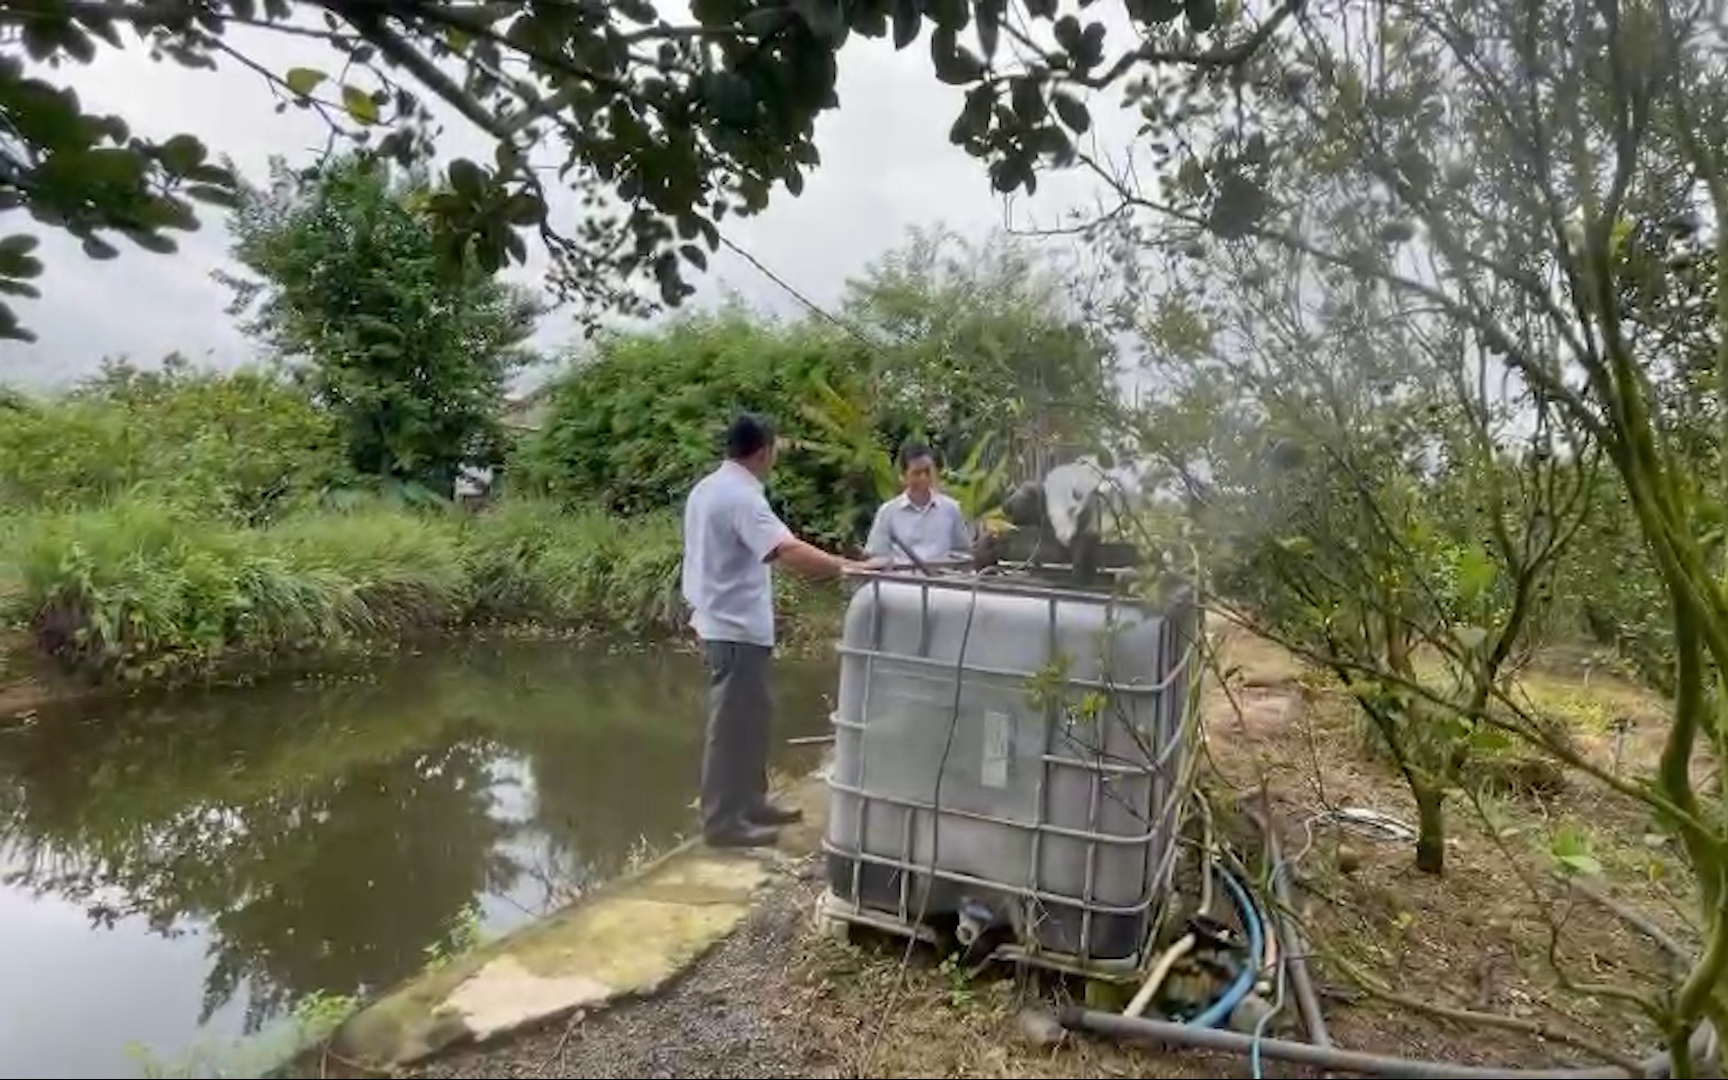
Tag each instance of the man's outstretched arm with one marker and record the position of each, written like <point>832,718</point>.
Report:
<point>771,541</point>
<point>802,557</point>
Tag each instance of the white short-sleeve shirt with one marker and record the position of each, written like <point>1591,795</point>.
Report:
<point>935,531</point>
<point>730,533</point>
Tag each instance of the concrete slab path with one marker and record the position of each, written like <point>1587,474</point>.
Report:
<point>627,939</point>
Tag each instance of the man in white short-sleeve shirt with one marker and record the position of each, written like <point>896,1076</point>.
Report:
<point>732,538</point>
<point>928,522</point>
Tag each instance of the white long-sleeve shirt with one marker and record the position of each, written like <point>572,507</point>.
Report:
<point>935,531</point>
<point>730,534</point>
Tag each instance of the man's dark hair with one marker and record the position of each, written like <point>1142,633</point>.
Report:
<point>747,434</point>
<point>912,451</point>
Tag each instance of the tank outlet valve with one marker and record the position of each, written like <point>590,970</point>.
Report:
<point>975,920</point>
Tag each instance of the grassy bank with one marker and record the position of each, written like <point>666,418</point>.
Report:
<point>139,590</point>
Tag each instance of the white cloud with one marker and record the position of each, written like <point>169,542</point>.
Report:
<point>887,165</point>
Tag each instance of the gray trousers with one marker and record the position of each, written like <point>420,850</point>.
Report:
<point>740,716</point>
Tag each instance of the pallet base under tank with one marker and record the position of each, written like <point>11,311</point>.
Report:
<point>1084,941</point>
<point>838,916</point>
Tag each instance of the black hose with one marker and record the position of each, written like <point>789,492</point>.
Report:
<point>918,564</point>
<point>1170,1034</point>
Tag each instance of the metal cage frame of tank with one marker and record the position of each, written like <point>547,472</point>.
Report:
<point>1165,773</point>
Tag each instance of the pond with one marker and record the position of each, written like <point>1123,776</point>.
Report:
<point>178,875</point>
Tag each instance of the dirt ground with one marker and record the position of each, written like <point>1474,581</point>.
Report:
<point>1494,963</point>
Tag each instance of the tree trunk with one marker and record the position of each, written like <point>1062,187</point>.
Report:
<point>1430,828</point>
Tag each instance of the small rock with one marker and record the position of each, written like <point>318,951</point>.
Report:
<point>1039,1028</point>
<point>1349,859</point>
<point>1248,1014</point>
<point>836,930</point>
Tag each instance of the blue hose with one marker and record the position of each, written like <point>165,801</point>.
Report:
<point>1219,1011</point>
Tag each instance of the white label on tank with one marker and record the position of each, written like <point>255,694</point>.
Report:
<point>998,748</point>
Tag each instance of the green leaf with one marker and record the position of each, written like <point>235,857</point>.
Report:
<point>908,17</point>
<point>1091,52</point>
<point>1297,545</point>
<point>986,14</point>
<point>10,329</point>
<point>215,196</point>
<point>1239,208</point>
<point>951,14</point>
<point>467,177</point>
<point>1028,99</point>
<point>1072,111</point>
<point>1571,850</point>
<point>1068,33</point>
<point>97,248</point>
<point>360,105</point>
<point>303,80</point>
<point>15,258</point>
<point>183,153</point>
<point>18,244</point>
<point>974,118</point>
<point>1202,14</point>
<point>1476,572</point>
<point>108,165</point>
<point>825,18</point>
<point>153,241</point>
<point>954,63</point>
<point>730,97</point>
<point>523,208</point>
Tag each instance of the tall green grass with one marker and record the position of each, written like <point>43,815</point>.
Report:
<point>139,589</point>
<point>533,560</point>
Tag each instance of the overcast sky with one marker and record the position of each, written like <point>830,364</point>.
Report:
<point>887,166</point>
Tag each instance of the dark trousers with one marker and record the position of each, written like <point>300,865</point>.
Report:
<point>740,716</point>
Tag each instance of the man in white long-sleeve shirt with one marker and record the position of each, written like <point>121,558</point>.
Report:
<point>928,522</point>
<point>732,539</point>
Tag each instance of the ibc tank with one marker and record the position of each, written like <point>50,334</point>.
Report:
<point>1008,755</point>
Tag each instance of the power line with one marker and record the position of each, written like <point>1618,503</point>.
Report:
<point>815,308</point>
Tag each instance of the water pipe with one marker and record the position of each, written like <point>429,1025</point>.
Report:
<point>1160,969</point>
<point>1220,1008</point>
<point>1219,1011</point>
<point>1193,1036</point>
<point>1206,854</point>
<point>1282,975</point>
<point>1320,1054</point>
<point>1295,947</point>
<point>1269,962</point>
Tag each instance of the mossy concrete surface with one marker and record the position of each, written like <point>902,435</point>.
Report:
<point>625,940</point>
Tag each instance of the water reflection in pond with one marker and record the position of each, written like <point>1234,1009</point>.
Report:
<point>190,870</point>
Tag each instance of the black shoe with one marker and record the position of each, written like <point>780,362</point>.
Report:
<point>743,836</point>
<point>769,814</point>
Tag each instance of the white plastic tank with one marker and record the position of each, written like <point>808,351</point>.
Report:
<point>1007,759</point>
